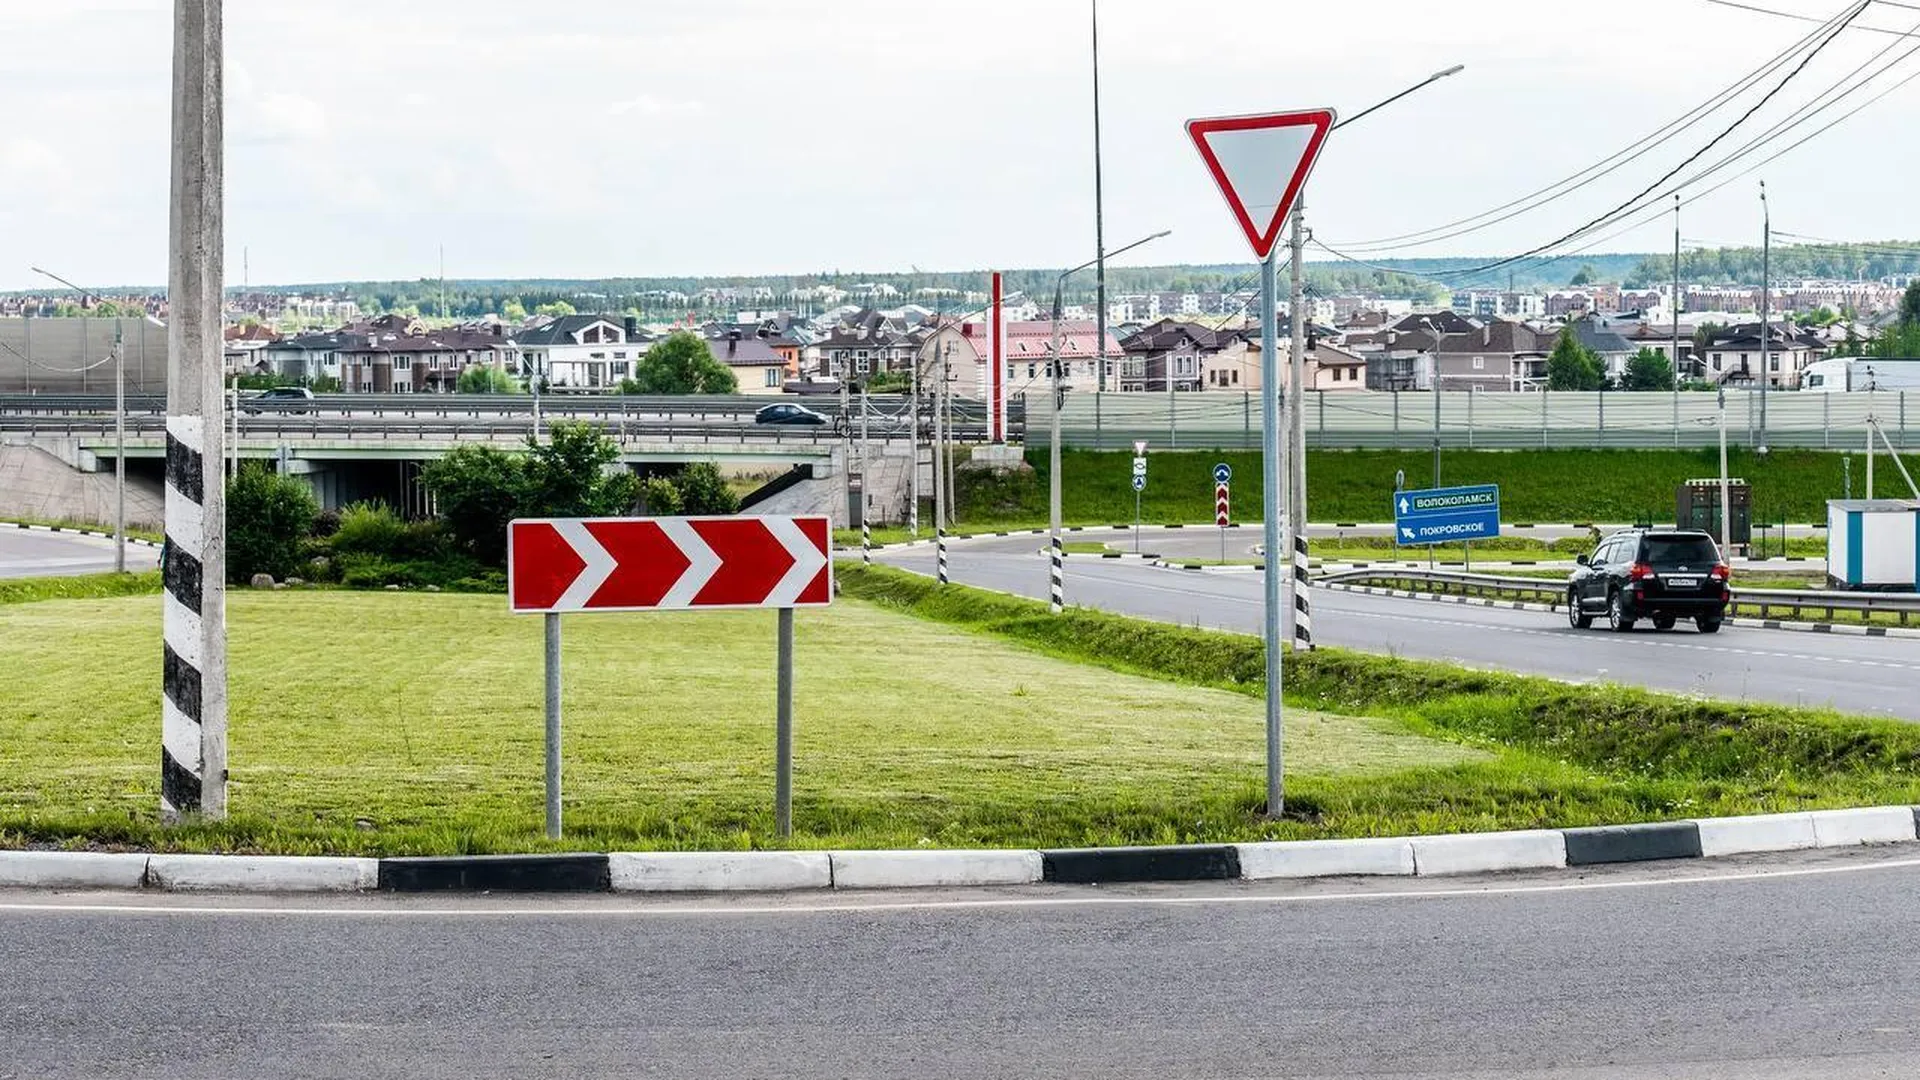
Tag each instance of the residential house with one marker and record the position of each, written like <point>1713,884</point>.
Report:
<point>429,361</point>
<point>1733,354</point>
<point>865,343</point>
<point>583,352</point>
<point>308,356</point>
<point>1613,350</point>
<point>756,364</point>
<point>1501,356</point>
<point>1185,356</point>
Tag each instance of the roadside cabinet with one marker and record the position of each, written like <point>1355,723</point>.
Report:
<point>1873,543</point>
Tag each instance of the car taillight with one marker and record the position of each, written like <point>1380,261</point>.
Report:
<point>1722,572</point>
<point>1639,571</point>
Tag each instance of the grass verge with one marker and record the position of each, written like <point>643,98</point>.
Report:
<point>1565,755</point>
<point>81,526</point>
<point>384,723</point>
<point>78,587</point>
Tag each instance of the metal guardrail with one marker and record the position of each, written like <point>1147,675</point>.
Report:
<point>384,428</point>
<point>881,406</point>
<point>1766,602</point>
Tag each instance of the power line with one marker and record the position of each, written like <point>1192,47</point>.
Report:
<point>1810,18</point>
<point>1632,151</point>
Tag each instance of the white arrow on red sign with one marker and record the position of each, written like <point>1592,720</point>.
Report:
<point>667,563</point>
<point>1221,505</point>
<point>1261,162</point>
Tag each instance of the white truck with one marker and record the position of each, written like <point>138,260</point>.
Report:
<point>1843,374</point>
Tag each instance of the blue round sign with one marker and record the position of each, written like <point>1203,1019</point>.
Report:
<point>1139,483</point>
<point>1222,473</point>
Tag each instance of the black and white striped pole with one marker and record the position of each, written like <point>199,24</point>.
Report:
<point>193,708</point>
<point>866,497</point>
<point>1296,427</point>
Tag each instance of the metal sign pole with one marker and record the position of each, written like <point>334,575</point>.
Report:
<point>1276,553</point>
<point>553,727</point>
<point>783,730</point>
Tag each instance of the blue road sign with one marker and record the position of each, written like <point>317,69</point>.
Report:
<point>1446,515</point>
<point>1222,473</point>
<point>1139,482</point>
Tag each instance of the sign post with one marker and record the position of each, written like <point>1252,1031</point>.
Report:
<point>1139,485</point>
<point>557,566</point>
<point>1260,163</point>
<point>1222,504</point>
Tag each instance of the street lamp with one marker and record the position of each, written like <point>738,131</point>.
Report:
<point>1057,567</point>
<point>119,429</point>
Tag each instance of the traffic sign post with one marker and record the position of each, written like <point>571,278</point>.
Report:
<point>1222,503</point>
<point>1260,163</point>
<point>1139,485</point>
<point>557,566</point>
<point>1445,515</point>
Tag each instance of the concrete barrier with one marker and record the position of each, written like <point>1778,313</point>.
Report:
<point>923,869</point>
<point>1473,853</point>
<point>71,870</point>
<point>1326,858</point>
<point>262,873</point>
<point>719,871</point>
<point>1169,862</point>
<point>1645,842</point>
<point>1756,832</point>
<point>1867,825</point>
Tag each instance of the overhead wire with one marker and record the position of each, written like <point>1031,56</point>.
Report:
<point>1632,151</point>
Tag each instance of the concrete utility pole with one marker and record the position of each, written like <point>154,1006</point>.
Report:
<point>1299,608</point>
<point>939,488</point>
<point>193,709</point>
<point>1099,223</point>
<point>1676,292</point>
<point>913,438</point>
<point>1766,287</point>
<point>866,498</point>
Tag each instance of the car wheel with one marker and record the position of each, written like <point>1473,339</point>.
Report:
<point>1617,619</point>
<point>1663,622</point>
<point>1576,618</point>
<point>1707,625</point>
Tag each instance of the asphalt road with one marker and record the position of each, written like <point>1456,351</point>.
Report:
<point>1870,676</point>
<point>1798,967</point>
<point>33,553</point>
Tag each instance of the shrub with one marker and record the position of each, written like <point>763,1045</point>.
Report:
<point>659,496</point>
<point>704,491</point>
<point>268,518</point>
<point>369,528</point>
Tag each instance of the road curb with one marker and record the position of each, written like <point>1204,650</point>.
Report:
<point>791,871</point>
<point>1203,568</point>
<point>74,531</point>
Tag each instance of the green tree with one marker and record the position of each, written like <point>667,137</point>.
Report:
<point>477,489</point>
<point>1649,369</point>
<point>1572,366</point>
<point>889,382</point>
<point>682,364</point>
<point>659,497</point>
<point>704,491</point>
<point>556,308</point>
<point>513,310</point>
<point>1820,316</point>
<point>268,516</point>
<point>481,379</point>
<point>571,475</point>
<point>1910,305</point>
<point>1584,276</point>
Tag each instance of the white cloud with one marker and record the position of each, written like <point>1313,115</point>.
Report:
<point>30,168</point>
<point>648,105</point>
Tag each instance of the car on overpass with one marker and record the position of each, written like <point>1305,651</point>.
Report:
<point>281,399</point>
<point>788,413</point>
<point>1663,575</point>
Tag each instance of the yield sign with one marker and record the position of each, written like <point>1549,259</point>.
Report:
<point>1260,163</point>
<point>652,564</point>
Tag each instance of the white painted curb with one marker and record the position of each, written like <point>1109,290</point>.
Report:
<point>262,873</point>
<point>71,870</point>
<point>719,871</point>
<point>1473,853</point>
<point>1867,825</point>
<point>1758,832</point>
<point>919,869</point>
<point>1326,858</point>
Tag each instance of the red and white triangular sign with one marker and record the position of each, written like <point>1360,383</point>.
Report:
<point>1260,163</point>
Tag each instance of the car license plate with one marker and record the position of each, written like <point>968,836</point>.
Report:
<point>1683,582</point>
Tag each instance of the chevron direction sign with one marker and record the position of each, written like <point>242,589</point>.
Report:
<point>557,565</point>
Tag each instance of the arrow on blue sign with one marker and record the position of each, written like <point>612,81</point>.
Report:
<point>1222,473</point>
<point>1139,482</point>
<point>1445,515</point>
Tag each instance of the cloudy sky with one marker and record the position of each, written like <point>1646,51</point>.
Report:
<point>581,138</point>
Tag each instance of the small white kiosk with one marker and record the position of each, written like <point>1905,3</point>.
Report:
<point>1873,543</point>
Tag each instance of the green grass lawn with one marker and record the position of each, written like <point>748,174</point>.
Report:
<point>419,715</point>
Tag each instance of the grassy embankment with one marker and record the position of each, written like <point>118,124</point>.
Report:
<point>384,723</point>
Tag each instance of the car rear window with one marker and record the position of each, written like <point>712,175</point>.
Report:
<point>1680,551</point>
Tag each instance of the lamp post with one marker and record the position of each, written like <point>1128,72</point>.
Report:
<point>119,429</point>
<point>1057,568</point>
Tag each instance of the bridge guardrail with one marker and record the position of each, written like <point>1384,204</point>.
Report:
<point>1904,607</point>
<point>380,429</point>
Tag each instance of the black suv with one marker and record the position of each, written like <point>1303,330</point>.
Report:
<point>1660,574</point>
